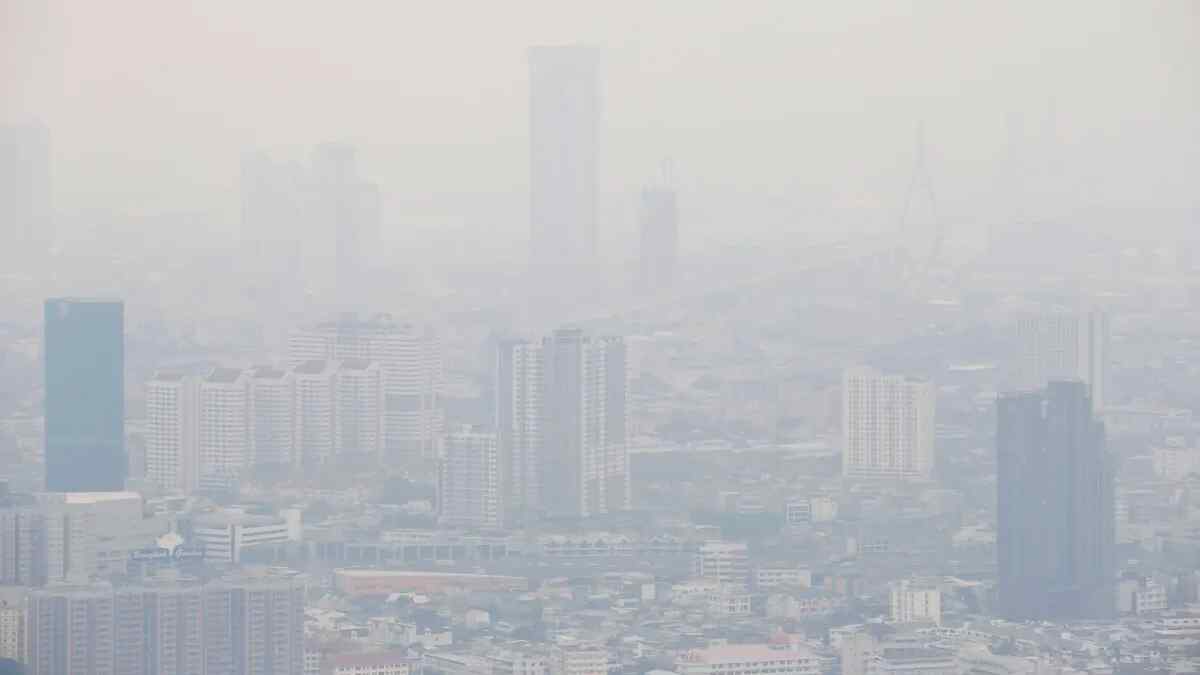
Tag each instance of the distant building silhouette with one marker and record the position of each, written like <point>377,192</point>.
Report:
<point>347,212</point>
<point>1066,345</point>
<point>1055,507</point>
<point>84,351</point>
<point>564,106</point>
<point>658,219</point>
<point>26,216</point>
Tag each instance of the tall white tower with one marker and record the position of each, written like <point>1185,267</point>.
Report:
<point>887,425</point>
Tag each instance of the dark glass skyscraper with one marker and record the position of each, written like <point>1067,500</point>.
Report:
<point>84,352</point>
<point>1055,519</point>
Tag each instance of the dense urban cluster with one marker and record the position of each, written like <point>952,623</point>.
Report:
<point>830,459</point>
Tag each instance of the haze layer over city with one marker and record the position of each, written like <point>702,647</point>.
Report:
<point>599,338</point>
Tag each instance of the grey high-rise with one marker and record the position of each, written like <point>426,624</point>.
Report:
<point>564,108</point>
<point>1055,515</point>
<point>84,352</point>
<point>659,222</point>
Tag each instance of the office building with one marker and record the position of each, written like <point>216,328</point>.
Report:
<point>316,396</point>
<point>519,376</point>
<point>658,220</point>
<point>1065,346</point>
<point>26,213</point>
<point>887,425</point>
<point>358,408</point>
<point>584,446</point>
<point>411,361</point>
<point>223,445</point>
<point>272,415</point>
<point>916,601</point>
<point>470,493</point>
<point>84,352</point>
<point>725,562</point>
<point>1055,511</point>
<point>564,109</point>
<point>172,460</point>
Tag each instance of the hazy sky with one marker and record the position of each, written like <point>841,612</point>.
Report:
<point>774,113</point>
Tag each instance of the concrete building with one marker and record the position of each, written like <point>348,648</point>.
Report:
<point>579,659</point>
<point>725,562</point>
<point>1065,346</point>
<point>394,662</point>
<point>358,421</point>
<point>915,601</point>
<point>564,109</point>
<point>272,415</point>
<point>470,492</point>
<point>748,659</point>
<point>1055,507</point>
<point>1175,460</point>
<point>225,535</point>
<point>782,575</point>
<point>223,445</point>
<point>254,623</point>
<point>84,358</point>
<point>13,613</point>
<point>584,447</point>
<point>357,582</point>
<point>519,383</point>
<point>887,425</point>
<point>411,360</point>
<point>658,220</point>
<point>316,398</point>
<point>172,460</point>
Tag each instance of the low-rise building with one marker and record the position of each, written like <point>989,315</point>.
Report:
<point>748,659</point>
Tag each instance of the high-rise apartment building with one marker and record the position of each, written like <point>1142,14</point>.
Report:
<point>658,220</point>
<point>887,425</point>
<point>358,408</point>
<point>413,376</point>
<point>1065,346</point>
<point>172,462</point>
<point>84,352</point>
<point>223,445</point>
<point>519,381</point>
<point>272,411</point>
<point>242,624</point>
<point>1055,506</point>
<point>584,447</point>
<point>564,108</point>
<point>561,420</point>
<point>316,397</point>
<point>470,492</point>
<point>13,623</point>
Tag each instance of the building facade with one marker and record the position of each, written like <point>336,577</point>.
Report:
<point>887,425</point>
<point>470,492</point>
<point>84,359</point>
<point>172,461</point>
<point>1065,345</point>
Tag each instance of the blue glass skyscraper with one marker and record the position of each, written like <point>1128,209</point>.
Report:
<point>84,352</point>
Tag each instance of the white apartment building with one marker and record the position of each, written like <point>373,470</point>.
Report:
<point>916,601</point>
<point>272,407</point>
<point>314,412</point>
<point>12,624</point>
<point>1065,345</point>
<point>223,445</point>
<point>224,535</point>
<point>519,394</point>
<point>411,360</point>
<point>748,659</point>
<point>725,562</point>
<point>887,425</point>
<point>358,419</point>
<point>816,509</point>
<point>774,577</point>
<point>469,487</point>
<point>172,460</point>
<point>579,659</point>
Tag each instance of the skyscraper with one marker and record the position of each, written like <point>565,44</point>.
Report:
<point>84,351</point>
<point>358,408</point>
<point>469,488</point>
<point>1065,345</point>
<point>658,219</point>
<point>346,209</point>
<point>564,109</point>
<point>172,462</point>
<point>584,452</point>
<point>224,423</point>
<point>887,425</point>
<point>316,399</point>
<point>1055,519</point>
<point>26,220</point>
